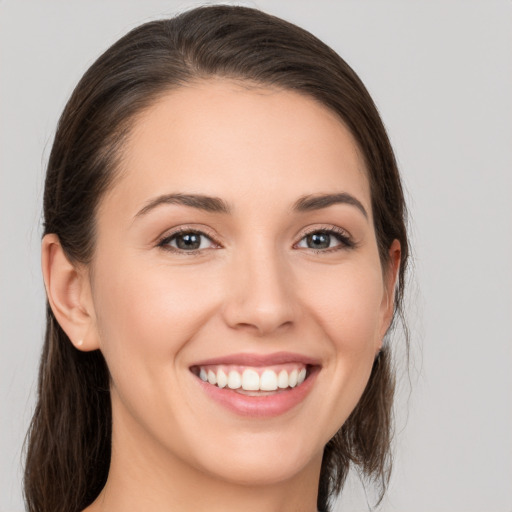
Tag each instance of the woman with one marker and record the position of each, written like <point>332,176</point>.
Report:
<point>223,255</point>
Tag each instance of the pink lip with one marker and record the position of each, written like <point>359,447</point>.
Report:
<point>248,359</point>
<point>260,406</point>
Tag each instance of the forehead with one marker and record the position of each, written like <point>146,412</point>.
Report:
<point>231,140</point>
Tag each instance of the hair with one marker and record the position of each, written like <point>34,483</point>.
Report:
<point>69,441</point>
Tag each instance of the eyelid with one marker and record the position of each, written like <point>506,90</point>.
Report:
<point>345,238</point>
<point>162,241</point>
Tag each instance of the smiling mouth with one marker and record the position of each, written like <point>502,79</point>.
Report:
<point>254,381</point>
<point>258,385</point>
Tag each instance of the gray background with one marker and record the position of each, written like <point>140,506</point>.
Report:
<point>441,75</point>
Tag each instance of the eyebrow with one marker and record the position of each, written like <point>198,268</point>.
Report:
<point>201,202</point>
<point>218,205</point>
<point>319,201</point>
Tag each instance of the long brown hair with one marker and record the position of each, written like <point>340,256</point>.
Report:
<point>68,448</point>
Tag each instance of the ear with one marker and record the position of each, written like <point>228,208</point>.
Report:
<point>390,281</point>
<point>69,294</point>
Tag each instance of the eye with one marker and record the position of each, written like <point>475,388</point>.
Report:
<point>188,241</point>
<point>325,239</point>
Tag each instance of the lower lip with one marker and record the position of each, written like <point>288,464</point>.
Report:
<point>259,406</point>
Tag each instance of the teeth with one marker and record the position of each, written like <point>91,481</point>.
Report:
<point>222,379</point>
<point>234,380</point>
<point>212,378</point>
<point>292,378</point>
<point>251,380</point>
<point>268,381</point>
<point>282,380</point>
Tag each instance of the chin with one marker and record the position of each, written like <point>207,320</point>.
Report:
<point>261,462</point>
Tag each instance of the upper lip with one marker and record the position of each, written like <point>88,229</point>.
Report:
<point>255,360</point>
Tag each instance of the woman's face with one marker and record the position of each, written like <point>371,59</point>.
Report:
<point>237,246</point>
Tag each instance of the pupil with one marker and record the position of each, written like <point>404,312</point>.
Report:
<point>319,241</point>
<point>189,241</point>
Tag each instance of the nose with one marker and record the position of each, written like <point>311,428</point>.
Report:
<point>260,294</point>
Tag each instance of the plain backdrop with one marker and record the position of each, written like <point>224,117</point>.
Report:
<point>441,75</point>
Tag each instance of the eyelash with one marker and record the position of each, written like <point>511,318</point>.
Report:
<point>164,242</point>
<point>344,239</point>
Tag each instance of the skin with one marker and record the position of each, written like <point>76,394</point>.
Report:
<point>254,286</point>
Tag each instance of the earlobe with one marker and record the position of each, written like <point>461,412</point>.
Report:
<point>68,292</point>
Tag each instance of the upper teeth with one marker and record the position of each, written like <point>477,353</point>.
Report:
<point>252,380</point>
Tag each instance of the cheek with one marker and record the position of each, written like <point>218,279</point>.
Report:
<point>347,308</point>
<point>347,304</point>
<point>147,314</point>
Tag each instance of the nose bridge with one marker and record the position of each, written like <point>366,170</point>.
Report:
<point>260,284</point>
